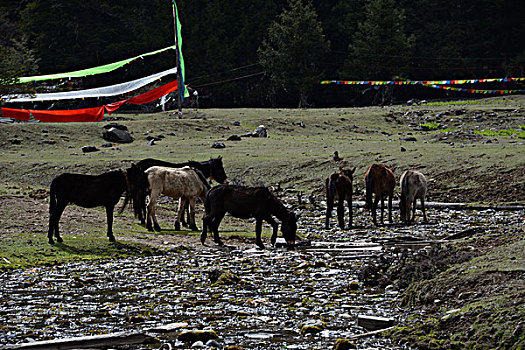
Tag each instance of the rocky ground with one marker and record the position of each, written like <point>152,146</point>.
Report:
<point>307,298</point>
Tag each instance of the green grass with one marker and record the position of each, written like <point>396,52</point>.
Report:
<point>505,132</point>
<point>30,249</point>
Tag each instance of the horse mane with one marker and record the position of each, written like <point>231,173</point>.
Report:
<point>201,177</point>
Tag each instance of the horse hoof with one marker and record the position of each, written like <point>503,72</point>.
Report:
<point>177,226</point>
<point>112,238</point>
<point>60,240</point>
<point>194,228</point>
<point>51,241</point>
<point>157,228</point>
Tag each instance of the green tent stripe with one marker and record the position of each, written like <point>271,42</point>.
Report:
<point>90,71</point>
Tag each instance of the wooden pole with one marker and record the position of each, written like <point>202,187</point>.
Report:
<point>177,62</point>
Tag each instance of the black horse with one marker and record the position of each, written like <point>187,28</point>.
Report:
<point>90,191</point>
<point>212,169</point>
<point>247,202</point>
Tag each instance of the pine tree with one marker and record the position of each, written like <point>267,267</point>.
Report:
<point>379,49</point>
<point>293,51</point>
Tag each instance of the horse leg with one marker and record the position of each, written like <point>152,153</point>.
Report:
<point>180,212</point>
<point>275,227</point>
<point>109,214</point>
<point>374,209</point>
<point>205,223</point>
<point>151,212</point>
<point>341,212</point>
<point>413,217</point>
<point>329,208</point>
<point>54,218</point>
<point>390,208</point>
<point>382,209</point>
<point>185,215</point>
<point>191,216</point>
<point>258,231</point>
<point>423,209</point>
<point>215,222</point>
<point>350,213</point>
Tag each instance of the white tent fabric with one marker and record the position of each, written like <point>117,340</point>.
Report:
<point>97,92</point>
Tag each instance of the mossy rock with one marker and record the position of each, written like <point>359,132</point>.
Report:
<point>344,344</point>
<point>196,335</point>
<point>312,327</point>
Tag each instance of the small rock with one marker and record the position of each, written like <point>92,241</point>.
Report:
<point>151,142</point>
<point>403,149</point>
<point>107,145</point>
<point>196,335</point>
<point>88,149</point>
<point>212,343</point>
<point>410,138</point>
<point>234,138</point>
<point>218,145</point>
<point>197,344</point>
<point>344,344</point>
<point>236,123</point>
<point>312,327</point>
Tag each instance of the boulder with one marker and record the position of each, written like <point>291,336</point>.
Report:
<point>259,132</point>
<point>116,126</point>
<point>117,135</point>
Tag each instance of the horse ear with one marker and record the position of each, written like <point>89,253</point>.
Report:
<point>353,171</point>
<point>219,158</point>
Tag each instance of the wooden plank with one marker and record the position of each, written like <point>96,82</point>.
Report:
<point>369,334</point>
<point>96,341</point>
<point>373,323</point>
<point>168,327</point>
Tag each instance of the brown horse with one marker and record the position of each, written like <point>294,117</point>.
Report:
<point>413,186</point>
<point>339,187</point>
<point>185,183</point>
<point>248,202</point>
<point>380,181</point>
<point>90,191</point>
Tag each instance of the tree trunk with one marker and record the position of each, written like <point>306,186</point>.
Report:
<point>303,100</point>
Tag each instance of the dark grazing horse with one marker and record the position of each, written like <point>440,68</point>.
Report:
<point>212,169</point>
<point>339,187</point>
<point>380,181</point>
<point>247,202</point>
<point>413,186</point>
<point>90,191</point>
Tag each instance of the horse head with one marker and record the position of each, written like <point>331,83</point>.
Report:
<point>349,173</point>
<point>217,170</point>
<point>289,228</point>
<point>137,182</point>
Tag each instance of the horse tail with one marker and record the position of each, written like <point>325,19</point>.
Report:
<point>330,188</point>
<point>52,197</point>
<point>370,184</point>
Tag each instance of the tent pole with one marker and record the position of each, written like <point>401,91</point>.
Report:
<point>177,62</point>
